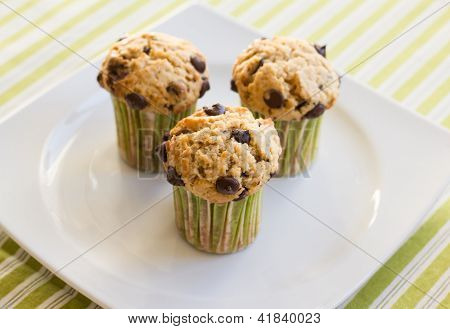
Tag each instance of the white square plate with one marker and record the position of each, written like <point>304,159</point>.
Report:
<point>64,189</point>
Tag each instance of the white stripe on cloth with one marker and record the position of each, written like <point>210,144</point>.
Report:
<point>3,238</point>
<point>59,298</point>
<point>411,65</point>
<point>53,47</point>
<point>439,291</point>
<point>413,270</point>
<point>12,262</point>
<point>22,290</point>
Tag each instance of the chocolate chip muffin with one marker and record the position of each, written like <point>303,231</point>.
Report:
<point>219,159</point>
<point>290,81</point>
<point>154,79</point>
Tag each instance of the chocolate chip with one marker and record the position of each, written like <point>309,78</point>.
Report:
<point>198,64</point>
<point>117,70</point>
<point>316,112</point>
<point>146,49</point>
<point>136,101</point>
<point>163,152</point>
<point>166,136</point>
<point>173,177</point>
<point>204,88</point>
<point>322,50</point>
<point>244,174</point>
<point>227,185</point>
<point>320,87</point>
<point>99,78</point>
<point>233,86</point>
<point>216,109</point>
<point>273,98</point>
<point>260,63</point>
<point>301,104</point>
<point>174,88</point>
<point>241,136</point>
<point>243,194</point>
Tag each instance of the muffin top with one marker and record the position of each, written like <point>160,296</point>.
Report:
<point>221,153</point>
<point>285,78</point>
<point>155,72</point>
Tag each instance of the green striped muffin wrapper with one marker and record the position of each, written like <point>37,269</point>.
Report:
<point>140,133</point>
<point>299,141</point>
<point>219,228</point>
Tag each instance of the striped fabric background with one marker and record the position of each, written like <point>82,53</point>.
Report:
<point>414,71</point>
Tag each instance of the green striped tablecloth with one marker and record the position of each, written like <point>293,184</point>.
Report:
<point>415,72</point>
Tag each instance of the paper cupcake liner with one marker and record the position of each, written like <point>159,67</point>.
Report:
<point>139,134</point>
<point>299,140</point>
<point>218,228</point>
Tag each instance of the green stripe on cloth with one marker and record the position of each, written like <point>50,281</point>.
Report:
<point>45,40</point>
<point>57,59</point>
<point>400,26</point>
<point>384,276</point>
<point>41,294</point>
<point>214,2</point>
<point>304,15</point>
<point>10,247</point>
<point>157,15</point>
<point>29,28</point>
<point>335,19</point>
<point>243,7</point>
<point>11,14</point>
<point>435,97</point>
<point>422,73</point>
<point>361,28</point>
<point>80,301</point>
<point>425,281</point>
<point>270,13</point>
<point>10,281</point>
<point>445,303</point>
<point>151,20</point>
<point>446,122</point>
<point>395,63</point>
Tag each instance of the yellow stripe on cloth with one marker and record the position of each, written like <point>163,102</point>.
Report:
<point>426,280</point>
<point>12,13</point>
<point>400,26</point>
<point>29,27</point>
<point>393,64</point>
<point>435,97</point>
<point>422,73</point>
<point>243,7</point>
<point>29,51</point>
<point>42,70</point>
<point>338,17</point>
<point>378,283</point>
<point>269,14</point>
<point>304,14</point>
<point>358,30</point>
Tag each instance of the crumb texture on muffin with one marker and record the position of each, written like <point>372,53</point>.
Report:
<point>222,153</point>
<point>155,72</point>
<point>285,78</point>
